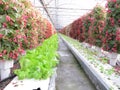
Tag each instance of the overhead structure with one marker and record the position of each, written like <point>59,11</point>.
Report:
<point>43,4</point>
<point>64,12</point>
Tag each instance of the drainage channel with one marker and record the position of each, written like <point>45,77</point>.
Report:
<point>70,76</point>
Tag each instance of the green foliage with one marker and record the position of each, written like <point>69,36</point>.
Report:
<point>91,56</point>
<point>22,27</point>
<point>99,13</point>
<point>39,62</point>
<point>100,27</point>
<point>111,31</point>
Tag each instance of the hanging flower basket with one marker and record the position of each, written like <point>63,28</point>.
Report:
<point>5,67</point>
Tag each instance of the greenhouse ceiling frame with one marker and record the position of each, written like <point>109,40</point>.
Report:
<point>46,10</point>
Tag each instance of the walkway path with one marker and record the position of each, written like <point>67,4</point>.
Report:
<point>70,75</point>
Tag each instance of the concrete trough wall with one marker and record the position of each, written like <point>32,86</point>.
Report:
<point>96,79</point>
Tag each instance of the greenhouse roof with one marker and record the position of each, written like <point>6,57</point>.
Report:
<point>64,12</point>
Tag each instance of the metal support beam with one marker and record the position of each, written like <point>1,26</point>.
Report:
<point>56,14</point>
<point>65,8</point>
<point>46,10</point>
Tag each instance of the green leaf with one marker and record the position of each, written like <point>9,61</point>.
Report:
<point>38,63</point>
<point>2,19</point>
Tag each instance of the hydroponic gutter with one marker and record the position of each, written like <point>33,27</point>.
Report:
<point>97,80</point>
<point>32,84</point>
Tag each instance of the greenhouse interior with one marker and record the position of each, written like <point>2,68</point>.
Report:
<point>59,44</point>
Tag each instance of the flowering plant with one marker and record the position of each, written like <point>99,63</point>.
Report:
<point>21,28</point>
<point>113,10</point>
<point>98,27</point>
<point>89,27</point>
<point>9,13</point>
<point>111,31</point>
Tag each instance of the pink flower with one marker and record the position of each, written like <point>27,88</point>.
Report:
<point>1,2</point>
<point>6,7</point>
<point>10,54</point>
<point>17,31</point>
<point>112,21</point>
<point>8,18</point>
<point>117,6</point>
<point>11,23</point>
<point>1,35</point>
<point>19,36</point>
<point>15,56</point>
<point>15,40</point>
<point>4,25</point>
<point>109,11</point>
<point>1,55</point>
<point>4,51</point>
<point>118,34</point>
<point>104,40</point>
<point>23,52</point>
<point>25,17</point>
<point>106,5</point>
<point>114,1</point>
<point>15,8</point>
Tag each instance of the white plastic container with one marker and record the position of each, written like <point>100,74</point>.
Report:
<point>5,67</point>
<point>5,73</point>
<point>113,58</point>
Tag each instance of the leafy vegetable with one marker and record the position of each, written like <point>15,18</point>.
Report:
<point>39,62</point>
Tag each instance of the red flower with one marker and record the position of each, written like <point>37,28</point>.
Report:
<point>114,49</point>
<point>112,21</point>
<point>118,34</point>
<point>119,21</point>
<point>15,40</point>
<point>109,11</point>
<point>15,56</point>
<point>10,54</point>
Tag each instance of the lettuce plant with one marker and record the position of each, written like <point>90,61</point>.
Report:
<point>39,62</point>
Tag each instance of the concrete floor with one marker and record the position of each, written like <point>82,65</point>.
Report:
<point>70,75</point>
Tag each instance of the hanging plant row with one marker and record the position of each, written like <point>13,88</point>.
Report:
<point>100,27</point>
<point>22,27</point>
